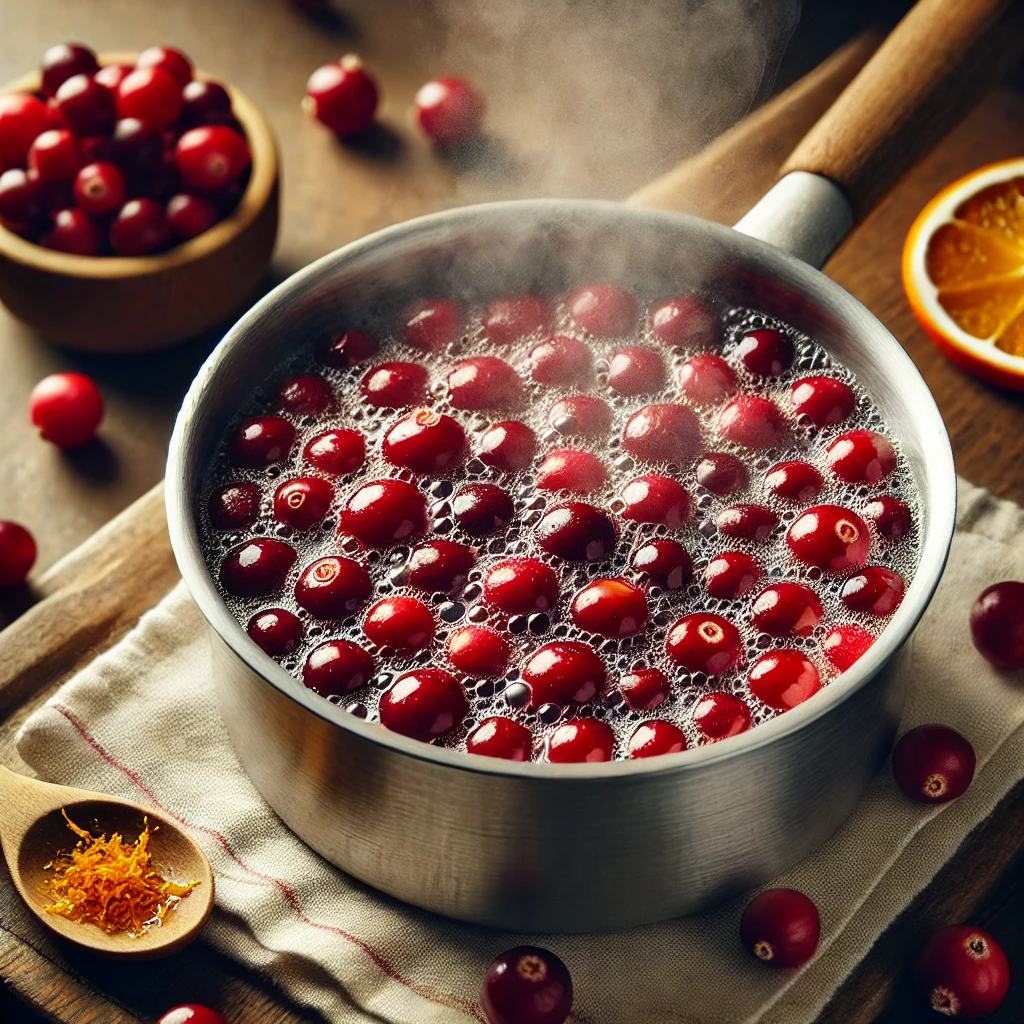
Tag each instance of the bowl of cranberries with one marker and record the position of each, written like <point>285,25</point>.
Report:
<point>138,198</point>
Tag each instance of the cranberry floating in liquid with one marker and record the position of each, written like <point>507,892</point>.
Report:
<point>703,642</point>
<point>561,361</point>
<point>781,927</point>
<point>305,395</point>
<point>395,385</point>
<point>336,452</point>
<point>656,499</point>
<point>782,679</point>
<point>509,446</point>
<point>501,737</point>
<point>892,517</point>
<point>192,1013</point>
<point>235,506</point>
<point>425,442</point>
<point>721,473</point>
<point>17,553</point>
<point>431,325</point>
<point>604,310</point>
<point>256,567</point>
<point>793,481</point>
<point>766,352</point>
<point>262,441</point>
<point>644,688</point>
<point>303,502</point>
<point>276,631</point>
<point>438,566</point>
<point>874,591</point>
<point>962,972</point>
<point>746,522</point>
<point>564,672</point>
<point>584,740</point>
<point>754,422</point>
<point>707,380</point>
<point>662,433</point>
<point>823,400</point>
<point>612,608</point>
<point>844,645</point>
<point>933,764</point>
<point>861,457</point>
<point>654,738</point>
<point>636,371</point>
<point>333,587</point>
<point>402,623</point>
<point>786,609</point>
<point>568,469</point>
<point>384,512</point>
<point>719,715</point>
<point>507,320</point>
<point>527,985</point>
<point>576,532</point>
<point>521,586</point>
<point>831,538</point>
<point>350,347</point>
<point>480,509</point>
<point>336,668</point>
<point>484,382</point>
<point>731,574</point>
<point>424,704</point>
<point>665,562</point>
<point>581,416</point>
<point>478,651</point>
<point>681,320</point>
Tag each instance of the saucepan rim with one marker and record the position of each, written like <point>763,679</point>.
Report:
<point>939,477</point>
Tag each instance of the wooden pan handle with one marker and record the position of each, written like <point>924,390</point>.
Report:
<point>937,63</point>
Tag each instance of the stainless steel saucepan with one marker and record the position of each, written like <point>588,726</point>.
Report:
<point>545,847</point>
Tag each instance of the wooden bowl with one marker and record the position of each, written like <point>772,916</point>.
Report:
<point>117,304</point>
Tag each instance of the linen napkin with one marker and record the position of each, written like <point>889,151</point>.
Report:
<point>141,723</point>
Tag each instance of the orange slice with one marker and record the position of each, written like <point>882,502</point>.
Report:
<point>963,271</point>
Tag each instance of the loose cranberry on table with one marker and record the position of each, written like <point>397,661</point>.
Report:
<point>962,972</point>
<point>656,499</point>
<point>501,737</point>
<point>604,310</point>
<point>234,506</point>
<point>192,1013</point>
<point>527,985</point>
<point>823,400</point>
<point>681,320</point>
<point>665,562</point>
<point>561,361</point>
<point>261,441</point>
<point>22,119</point>
<point>342,96</point>
<point>17,553</point>
<point>521,586</point>
<point>67,408</point>
<point>861,457</point>
<point>431,325</point>
<point>781,927</point>
<point>480,509</point>
<point>256,567</point>
<point>303,502</point>
<point>830,537</point>
<point>721,473</point>
<point>140,228</point>
<point>402,623</point>
<point>662,433</point>
<point>306,394</point>
<point>644,688</point>
<point>276,631</point>
<point>719,715</point>
<point>654,738</point>
<point>766,352</point>
<point>731,574</point>
<point>509,446</point>
<point>73,232</point>
<point>438,566</point>
<point>336,452</point>
<point>786,609</point>
<point>484,382</point>
<point>874,591</point>
<point>892,517</point>
<point>151,94</point>
<point>844,645</point>
<point>348,347</point>
<point>384,512</point>
<point>449,110</point>
<point>584,740</point>
<point>746,522</point>
<point>62,61</point>
<point>793,481</point>
<point>336,668</point>
<point>933,764</point>
<point>610,607</point>
<point>581,416</point>
<point>332,587</point>
<point>754,422</point>
<point>508,319</point>
<point>564,672</point>
<point>424,704</point>
<point>568,469</point>
<point>997,624</point>
<point>478,651</point>
<point>395,385</point>
<point>425,442</point>
<point>636,371</point>
<point>783,679</point>
<point>99,189</point>
<point>211,157</point>
<point>576,532</point>
<point>703,642</point>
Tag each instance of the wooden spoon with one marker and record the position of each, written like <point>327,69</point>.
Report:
<point>33,831</point>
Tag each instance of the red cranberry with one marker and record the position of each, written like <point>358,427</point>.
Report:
<point>753,422</point>
<point>656,499</point>
<point>137,146</point>
<point>681,320</point>
<point>384,512</point>
<point>55,156</point>
<point>478,651</point>
<point>719,715</point>
<point>276,631</point>
<point>521,586</point>
<point>509,446</point>
<point>997,624</point>
<point>562,673</point>
<point>874,590</point>
<point>22,197</point>
<point>933,764</point>
<point>73,232</point>
<point>861,457</point>
<point>480,509</point>
<point>205,103</point>
<point>110,76</point>
<point>62,61</point>
<point>823,400</point>
<point>262,441</point>
<point>192,1013</point>
<point>86,106</point>
<point>527,985</point>
<point>22,118</point>
<point>662,433</point>
<point>585,740</point>
<point>501,737</point>
<point>610,607</point>
<point>507,320</point>
<point>438,566</point>
<point>845,644</point>
<point>786,609</point>
<point>707,380</point>
<point>395,385</point>
<point>302,503</point>
<point>665,562</point>
<point>431,325</point>
<point>140,228</point>
<point>651,739</point>
<point>581,415</point>
<point>732,574</point>
<point>721,473</point>
<point>703,642</point>
<point>174,62</point>
<point>636,371</point>
<point>151,94</point>
<point>604,310</point>
<point>449,110</point>
<point>963,972</point>
<point>781,927</point>
<point>342,96</point>
<point>235,506</point>
<point>568,469</point>
<point>561,361</point>
<point>305,395</point>
<point>17,553</point>
<point>892,517</point>
<point>830,537</point>
<point>211,157</point>
<point>67,409</point>
<point>783,679</point>
<point>350,347</point>
<point>256,567</point>
<point>403,623</point>
<point>767,352</point>
<point>99,189</point>
<point>336,452</point>
<point>746,522</point>
<point>576,532</point>
<point>484,382</point>
<point>332,587</point>
<point>425,442</point>
<point>793,481</point>
<point>644,688</point>
<point>424,704</point>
